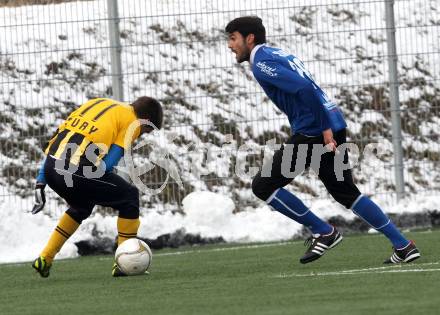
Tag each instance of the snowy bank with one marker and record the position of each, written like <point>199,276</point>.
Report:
<point>206,214</point>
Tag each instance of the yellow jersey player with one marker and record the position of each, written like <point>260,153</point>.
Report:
<point>79,163</point>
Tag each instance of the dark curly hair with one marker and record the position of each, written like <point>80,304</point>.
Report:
<point>246,25</point>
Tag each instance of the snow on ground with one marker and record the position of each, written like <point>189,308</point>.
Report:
<point>209,214</point>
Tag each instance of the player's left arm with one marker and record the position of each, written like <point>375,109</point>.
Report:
<point>291,81</point>
<point>310,96</point>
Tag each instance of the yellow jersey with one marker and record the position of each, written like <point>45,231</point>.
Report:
<point>96,125</point>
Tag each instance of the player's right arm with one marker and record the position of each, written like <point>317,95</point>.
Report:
<point>39,195</point>
<point>40,185</point>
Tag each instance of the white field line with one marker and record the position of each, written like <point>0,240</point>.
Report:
<point>356,273</point>
<point>225,249</point>
<point>375,270</point>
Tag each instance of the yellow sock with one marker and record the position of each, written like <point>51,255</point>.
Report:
<point>65,228</point>
<point>127,228</point>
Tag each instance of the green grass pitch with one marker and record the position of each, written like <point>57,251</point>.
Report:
<point>236,279</point>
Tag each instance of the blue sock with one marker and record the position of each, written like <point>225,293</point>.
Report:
<point>373,215</point>
<point>292,207</point>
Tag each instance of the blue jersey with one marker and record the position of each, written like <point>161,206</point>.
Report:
<point>291,87</point>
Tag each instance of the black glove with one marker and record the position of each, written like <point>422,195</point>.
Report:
<point>40,198</point>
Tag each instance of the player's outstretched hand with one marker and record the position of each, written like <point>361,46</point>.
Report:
<point>40,198</point>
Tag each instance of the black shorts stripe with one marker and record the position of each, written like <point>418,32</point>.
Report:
<point>104,111</point>
<point>90,107</point>
<point>60,137</point>
<point>63,233</point>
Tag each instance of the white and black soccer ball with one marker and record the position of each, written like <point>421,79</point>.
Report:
<point>133,257</point>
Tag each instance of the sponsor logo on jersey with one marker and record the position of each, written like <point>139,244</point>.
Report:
<point>266,69</point>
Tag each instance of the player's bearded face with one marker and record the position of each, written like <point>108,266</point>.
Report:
<point>237,44</point>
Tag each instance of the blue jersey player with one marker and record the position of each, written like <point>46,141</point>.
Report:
<point>315,121</point>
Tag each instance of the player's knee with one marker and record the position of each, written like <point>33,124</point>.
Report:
<point>79,215</point>
<point>347,199</point>
<point>130,207</point>
<point>129,212</point>
<point>131,195</point>
<point>260,188</point>
<point>133,192</point>
<point>353,197</point>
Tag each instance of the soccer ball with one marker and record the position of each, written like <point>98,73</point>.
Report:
<point>133,257</point>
